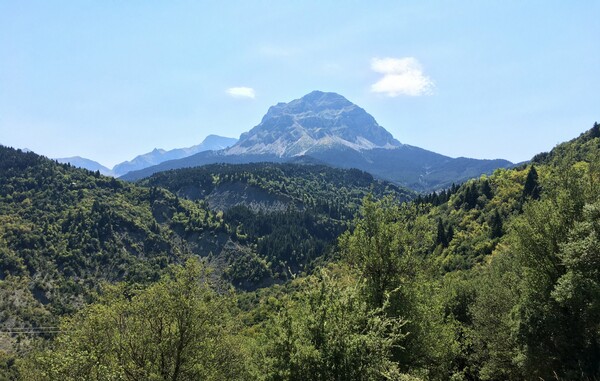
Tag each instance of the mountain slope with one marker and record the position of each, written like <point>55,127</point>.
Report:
<point>90,165</point>
<point>301,186</point>
<point>412,167</point>
<point>317,121</point>
<point>584,148</point>
<point>327,128</point>
<point>64,230</point>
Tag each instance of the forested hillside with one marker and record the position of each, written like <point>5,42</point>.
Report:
<point>288,214</point>
<point>270,187</point>
<point>495,279</point>
<point>65,230</point>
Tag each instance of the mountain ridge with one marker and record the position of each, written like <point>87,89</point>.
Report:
<point>156,156</point>
<point>329,129</point>
<point>82,162</point>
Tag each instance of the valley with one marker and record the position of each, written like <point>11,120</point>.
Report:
<point>299,191</point>
<point>275,244</point>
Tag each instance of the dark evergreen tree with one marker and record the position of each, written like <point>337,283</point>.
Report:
<point>450,234</point>
<point>441,234</point>
<point>486,190</point>
<point>468,197</point>
<point>595,131</point>
<point>532,187</point>
<point>496,225</point>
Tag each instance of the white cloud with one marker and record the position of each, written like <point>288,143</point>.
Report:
<point>401,76</point>
<point>242,92</point>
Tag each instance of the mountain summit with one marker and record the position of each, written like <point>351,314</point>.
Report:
<point>318,121</point>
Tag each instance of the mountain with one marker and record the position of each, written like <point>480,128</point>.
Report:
<point>157,156</point>
<point>327,128</point>
<point>514,252</point>
<point>64,230</point>
<point>81,162</point>
<point>316,122</point>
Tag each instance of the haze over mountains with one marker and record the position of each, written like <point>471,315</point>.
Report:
<point>82,162</point>
<point>327,128</point>
<point>157,156</point>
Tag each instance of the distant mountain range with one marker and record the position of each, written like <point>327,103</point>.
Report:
<point>329,129</point>
<point>81,162</point>
<point>210,143</point>
<point>157,156</point>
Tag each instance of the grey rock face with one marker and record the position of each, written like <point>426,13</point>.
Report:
<point>317,121</point>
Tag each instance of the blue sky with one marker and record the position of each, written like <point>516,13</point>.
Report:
<point>108,80</point>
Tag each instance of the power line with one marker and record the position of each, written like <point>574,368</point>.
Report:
<point>31,330</point>
<point>28,328</point>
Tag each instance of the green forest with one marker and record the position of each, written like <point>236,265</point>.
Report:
<point>300,272</point>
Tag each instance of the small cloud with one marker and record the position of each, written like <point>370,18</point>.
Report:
<point>242,92</point>
<point>401,76</point>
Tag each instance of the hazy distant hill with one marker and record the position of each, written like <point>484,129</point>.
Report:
<point>81,162</point>
<point>157,156</point>
<point>329,129</point>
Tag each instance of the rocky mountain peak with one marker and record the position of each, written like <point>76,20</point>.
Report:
<point>314,103</point>
<point>317,121</point>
